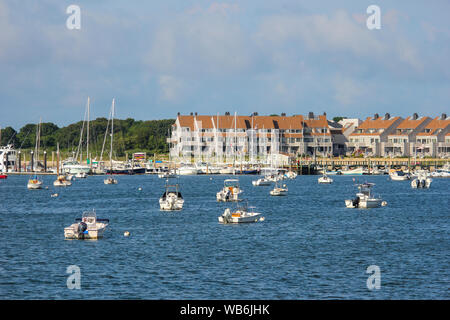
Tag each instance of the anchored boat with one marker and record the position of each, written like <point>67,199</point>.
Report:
<point>422,181</point>
<point>324,179</point>
<point>279,191</point>
<point>172,199</point>
<point>262,182</point>
<point>34,183</point>
<point>86,227</point>
<point>240,214</point>
<point>230,192</point>
<point>364,198</point>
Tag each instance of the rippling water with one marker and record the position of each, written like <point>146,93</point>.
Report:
<point>309,246</point>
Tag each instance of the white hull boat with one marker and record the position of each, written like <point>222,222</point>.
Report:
<point>399,176</point>
<point>279,191</point>
<point>86,228</point>
<point>230,192</point>
<point>240,215</point>
<point>187,171</point>
<point>262,182</point>
<point>34,184</point>
<point>171,201</point>
<point>364,198</point>
<point>81,175</point>
<point>61,182</point>
<point>325,180</point>
<point>421,182</point>
<point>356,171</point>
<point>110,181</point>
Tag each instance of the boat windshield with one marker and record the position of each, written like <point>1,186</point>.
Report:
<point>231,183</point>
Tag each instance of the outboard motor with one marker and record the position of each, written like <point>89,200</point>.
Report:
<point>356,202</point>
<point>422,183</point>
<point>82,227</point>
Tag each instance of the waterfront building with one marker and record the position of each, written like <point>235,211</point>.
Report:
<point>232,138</point>
<point>403,140</point>
<point>371,136</point>
<point>434,139</point>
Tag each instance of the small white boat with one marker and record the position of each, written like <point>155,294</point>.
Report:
<point>241,214</point>
<point>61,181</point>
<point>81,175</point>
<point>291,174</point>
<point>262,182</point>
<point>356,171</point>
<point>34,183</point>
<point>422,181</point>
<point>88,227</point>
<point>69,177</point>
<point>230,192</point>
<point>167,174</point>
<point>227,170</point>
<point>364,198</point>
<point>279,191</point>
<point>110,180</point>
<point>187,170</point>
<point>172,199</point>
<point>398,175</point>
<point>325,179</point>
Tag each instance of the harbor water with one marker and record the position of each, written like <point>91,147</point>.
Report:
<point>308,247</point>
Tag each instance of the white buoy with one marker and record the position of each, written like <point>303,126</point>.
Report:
<point>261,219</point>
<point>384,204</point>
<point>54,195</point>
<point>140,189</point>
<point>126,233</point>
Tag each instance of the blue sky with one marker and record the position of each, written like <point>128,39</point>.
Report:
<point>158,58</point>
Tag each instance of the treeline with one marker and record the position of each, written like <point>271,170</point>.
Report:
<point>129,136</point>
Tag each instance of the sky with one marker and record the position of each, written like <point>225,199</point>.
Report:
<point>158,58</point>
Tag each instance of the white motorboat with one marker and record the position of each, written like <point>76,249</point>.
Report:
<point>167,174</point>
<point>262,182</point>
<point>69,177</point>
<point>187,170</point>
<point>72,166</point>
<point>86,227</point>
<point>279,191</point>
<point>171,199</point>
<point>61,181</point>
<point>356,171</point>
<point>364,198</point>
<point>325,179</point>
<point>230,192</point>
<point>110,180</point>
<point>227,170</point>
<point>398,175</point>
<point>241,214</point>
<point>81,175</point>
<point>34,183</point>
<point>422,181</point>
<point>291,175</point>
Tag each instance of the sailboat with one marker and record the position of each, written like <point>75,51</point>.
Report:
<point>61,180</point>
<point>71,165</point>
<point>111,179</point>
<point>34,182</point>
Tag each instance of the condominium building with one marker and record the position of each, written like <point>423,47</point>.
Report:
<point>403,140</point>
<point>433,140</point>
<point>371,136</point>
<point>228,138</point>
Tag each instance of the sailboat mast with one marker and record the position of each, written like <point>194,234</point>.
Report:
<point>87,138</point>
<point>112,134</point>
<point>57,158</point>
